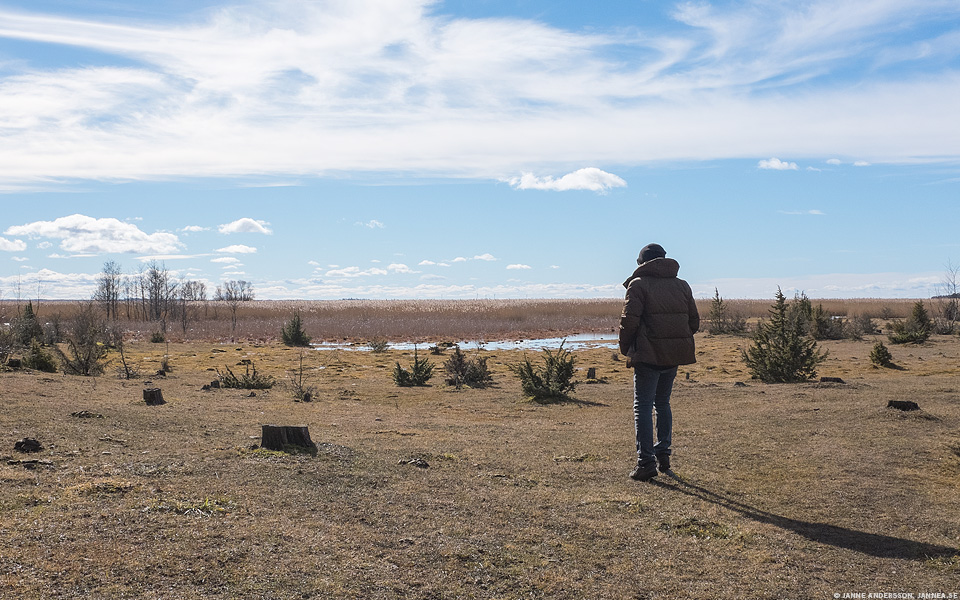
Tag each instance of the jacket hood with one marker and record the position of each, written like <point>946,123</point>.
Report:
<point>658,267</point>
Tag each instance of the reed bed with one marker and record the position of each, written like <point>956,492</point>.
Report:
<point>426,320</point>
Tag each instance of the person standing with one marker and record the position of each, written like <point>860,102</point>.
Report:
<point>656,335</point>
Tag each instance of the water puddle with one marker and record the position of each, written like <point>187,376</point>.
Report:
<point>579,341</point>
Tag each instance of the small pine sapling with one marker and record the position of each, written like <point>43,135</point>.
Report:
<point>880,356</point>
<point>420,372</point>
<point>292,334</point>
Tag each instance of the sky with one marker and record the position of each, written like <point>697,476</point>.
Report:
<point>326,149</point>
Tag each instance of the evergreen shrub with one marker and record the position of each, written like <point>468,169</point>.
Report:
<point>880,356</point>
<point>463,371</point>
<point>420,372</point>
<point>292,334</point>
<point>551,382</point>
<point>915,330</point>
<point>782,350</point>
<point>39,359</point>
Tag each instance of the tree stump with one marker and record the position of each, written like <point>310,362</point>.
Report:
<point>28,445</point>
<point>153,396</point>
<point>905,405</point>
<point>277,437</point>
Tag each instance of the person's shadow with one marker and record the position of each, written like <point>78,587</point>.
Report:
<point>883,546</point>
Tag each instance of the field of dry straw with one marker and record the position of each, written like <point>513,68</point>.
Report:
<point>780,491</point>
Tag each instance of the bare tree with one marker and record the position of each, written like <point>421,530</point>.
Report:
<point>159,290</point>
<point>233,293</point>
<point>947,304</point>
<point>191,294</point>
<point>108,289</point>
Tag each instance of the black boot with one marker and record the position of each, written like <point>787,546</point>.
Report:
<point>663,462</point>
<point>644,472</point>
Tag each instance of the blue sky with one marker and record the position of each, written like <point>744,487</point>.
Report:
<point>480,148</point>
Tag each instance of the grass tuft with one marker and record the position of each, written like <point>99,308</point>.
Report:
<point>698,528</point>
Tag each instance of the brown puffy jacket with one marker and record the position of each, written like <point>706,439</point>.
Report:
<point>659,316</point>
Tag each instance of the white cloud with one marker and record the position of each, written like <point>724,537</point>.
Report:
<point>426,263</point>
<point>372,224</point>
<point>590,178</point>
<point>44,245</point>
<point>237,249</point>
<point>193,229</point>
<point>400,268</point>
<point>86,235</point>
<point>518,267</point>
<point>801,212</point>
<point>352,272</point>
<point>19,258</point>
<point>776,164</point>
<point>313,263</point>
<point>12,245</point>
<point>53,284</point>
<point>485,257</point>
<point>165,257</point>
<point>834,162</point>
<point>828,285</point>
<point>245,225</point>
<point>861,163</point>
<point>459,259</point>
<point>554,266</point>
<point>229,260</point>
<point>283,89</point>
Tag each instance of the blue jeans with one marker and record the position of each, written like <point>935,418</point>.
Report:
<point>651,388</point>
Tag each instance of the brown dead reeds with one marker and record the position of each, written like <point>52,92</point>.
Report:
<point>428,320</point>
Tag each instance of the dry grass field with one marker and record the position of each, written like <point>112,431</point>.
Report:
<point>424,320</point>
<point>779,491</point>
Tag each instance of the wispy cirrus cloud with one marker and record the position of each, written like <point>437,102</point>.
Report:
<point>802,212</point>
<point>295,87</point>
<point>371,224</point>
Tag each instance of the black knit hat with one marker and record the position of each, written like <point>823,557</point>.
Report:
<point>650,252</point>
